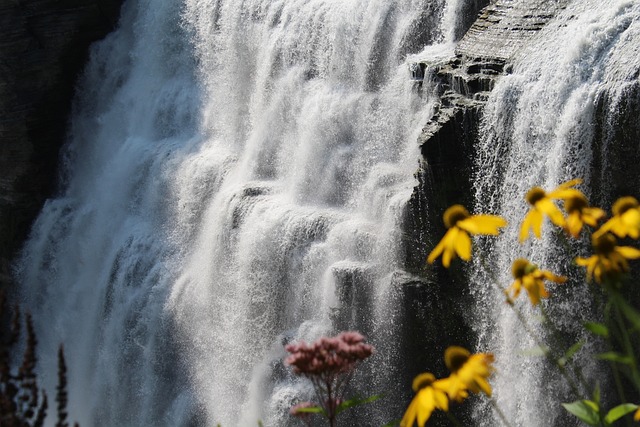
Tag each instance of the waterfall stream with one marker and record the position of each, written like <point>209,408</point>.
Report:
<point>539,129</point>
<point>234,171</point>
<point>235,178</point>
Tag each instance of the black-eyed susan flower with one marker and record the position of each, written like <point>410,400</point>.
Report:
<point>579,213</point>
<point>636,415</point>
<point>469,372</point>
<point>626,219</point>
<point>542,204</point>
<point>456,241</point>
<point>609,260</point>
<point>531,278</point>
<point>429,396</point>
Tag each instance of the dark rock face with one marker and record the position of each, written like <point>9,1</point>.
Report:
<point>43,46</point>
<point>463,84</point>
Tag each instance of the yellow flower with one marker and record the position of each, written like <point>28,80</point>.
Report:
<point>531,278</point>
<point>609,260</point>
<point>469,372</point>
<point>636,415</point>
<point>580,213</point>
<point>626,219</point>
<point>542,204</point>
<point>456,241</point>
<point>429,397</point>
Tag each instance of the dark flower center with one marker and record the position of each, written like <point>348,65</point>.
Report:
<point>604,244</point>
<point>423,380</point>
<point>623,204</point>
<point>575,203</point>
<point>534,195</point>
<point>519,268</point>
<point>454,214</point>
<point>455,357</point>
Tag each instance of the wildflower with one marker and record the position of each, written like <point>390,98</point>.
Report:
<point>580,213</point>
<point>429,396</point>
<point>531,278</point>
<point>542,204</point>
<point>328,356</point>
<point>469,372</point>
<point>609,260</point>
<point>636,415</point>
<point>626,219</point>
<point>328,362</point>
<point>456,241</point>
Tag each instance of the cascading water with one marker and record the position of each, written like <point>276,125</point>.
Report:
<point>542,126</point>
<point>235,177</point>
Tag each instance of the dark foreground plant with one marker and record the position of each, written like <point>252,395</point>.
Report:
<point>22,402</point>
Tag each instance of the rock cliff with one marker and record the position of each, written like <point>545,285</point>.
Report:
<point>43,46</point>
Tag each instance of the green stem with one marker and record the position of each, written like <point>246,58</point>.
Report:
<point>626,341</point>
<point>501,415</point>
<point>529,330</point>
<point>453,419</point>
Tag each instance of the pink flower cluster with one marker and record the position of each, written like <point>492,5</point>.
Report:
<point>328,355</point>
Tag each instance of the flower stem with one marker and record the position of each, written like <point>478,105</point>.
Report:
<point>501,415</point>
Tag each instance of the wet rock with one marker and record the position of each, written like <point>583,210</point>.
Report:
<point>43,46</point>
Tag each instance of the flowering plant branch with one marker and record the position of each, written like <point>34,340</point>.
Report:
<point>608,267</point>
<point>329,363</point>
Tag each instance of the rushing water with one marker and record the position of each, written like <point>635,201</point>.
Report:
<point>234,169</point>
<point>235,178</point>
<point>542,126</point>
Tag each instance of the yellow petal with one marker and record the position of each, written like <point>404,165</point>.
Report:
<point>526,225</point>
<point>482,224</point>
<point>560,191</point>
<point>582,261</point>
<point>631,219</point>
<point>550,276</point>
<point>463,245</point>
<point>628,252</point>
<point>515,288</point>
<point>410,414</point>
<point>551,210</point>
<point>564,194</point>
<point>574,224</point>
<point>450,246</point>
<point>437,251</point>
<point>536,223</point>
<point>484,386</point>
<point>426,405</point>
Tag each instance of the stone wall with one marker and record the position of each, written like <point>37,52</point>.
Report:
<point>43,47</point>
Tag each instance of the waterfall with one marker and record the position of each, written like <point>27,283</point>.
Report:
<point>234,179</point>
<point>543,125</point>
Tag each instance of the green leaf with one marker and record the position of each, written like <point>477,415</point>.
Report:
<point>597,328</point>
<point>535,351</point>
<point>310,410</point>
<point>355,402</point>
<point>584,410</point>
<point>619,412</point>
<point>612,356</point>
<point>630,313</point>
<point>570,353</point>
<point>596,393</point>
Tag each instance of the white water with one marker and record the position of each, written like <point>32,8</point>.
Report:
<point>228,162</point>
<point>538,130</point>
<point>234,166</point>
